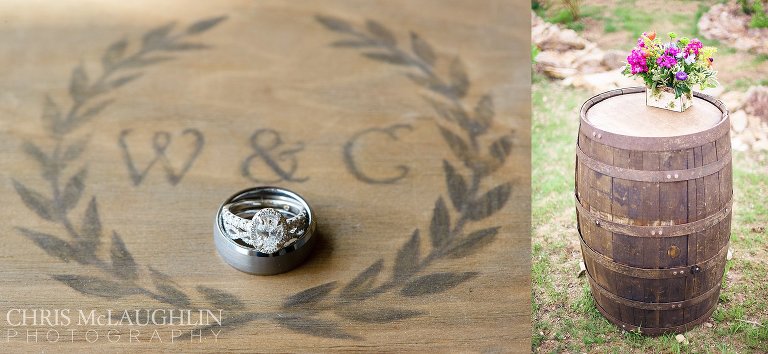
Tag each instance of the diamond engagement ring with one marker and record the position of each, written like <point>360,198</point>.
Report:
<point>264,230</point>
<point>267,231</point>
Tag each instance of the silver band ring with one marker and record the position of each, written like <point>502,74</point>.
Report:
<point>264,230</point>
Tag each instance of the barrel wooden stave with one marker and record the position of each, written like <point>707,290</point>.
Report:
<point>643,203</point>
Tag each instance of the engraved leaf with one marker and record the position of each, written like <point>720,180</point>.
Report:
<point>381,33</point>
<point>363,282</point>
<point>34,151</point>
<point>473,242</point>
<point>334,23</point>
<point>96,286</point>
<point>185,46</point>
<point>123,264</point>
<point>52,245</point>
<point>73,190</point>
<point>484,111</point>
<point>91,227</point>
<point>346,43</point>
<point>310,296</point>
<point>35,201</point>
<point>169,293</point>
<point>457,186</point>
<point>490,202</point>
<point>407,260</point>
<point>424,81</point>
<point>435,283</point>
<point>501,148</point>
<point>124,80</point>
<point>142,62</point>
<point>315,327</point>
<point>458,146</point>
<point>422,49</point>
<point>387,58</point>
<point>221,299</point>
<point>51,113</point>
<point>114,54</point>
<point>205,24</point>
<point>78,85</point>
<point>459,79</point>
<point>74,150</point>
<point>380,315</point>
<point>439,229</point>
<point>157,36</point>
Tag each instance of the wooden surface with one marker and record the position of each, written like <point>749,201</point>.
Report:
<point>628,115</point>
<point>642,236</point>
<point>111,178</point>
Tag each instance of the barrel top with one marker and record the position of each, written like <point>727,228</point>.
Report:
<point>627,114</point>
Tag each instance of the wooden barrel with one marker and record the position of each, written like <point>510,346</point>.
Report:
<point>653,203</point>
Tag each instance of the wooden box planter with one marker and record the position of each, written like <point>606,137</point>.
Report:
<point>653,202</point>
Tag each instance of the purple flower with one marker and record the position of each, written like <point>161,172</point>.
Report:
<point>640,42</point>
<point>666,61</point>
<point>681,76</point>
<point>672,50</point>
<point>637,62</point>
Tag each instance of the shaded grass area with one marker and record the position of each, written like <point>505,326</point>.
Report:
<point>564,315</point>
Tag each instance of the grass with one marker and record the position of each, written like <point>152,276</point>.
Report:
<point>565,317</point>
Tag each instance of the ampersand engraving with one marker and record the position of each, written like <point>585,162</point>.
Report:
<point>160,143</point>
<point>272,153</point>
<point>349,154</point>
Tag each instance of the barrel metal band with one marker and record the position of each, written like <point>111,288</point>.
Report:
<point>662,306</point>
<point>655,231</point>
<point>653,176</point>
<point>656,330</point>
<point>649,273</point>
<point>653,143</point>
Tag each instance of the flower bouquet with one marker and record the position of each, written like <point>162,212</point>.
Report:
<point>671,69</point>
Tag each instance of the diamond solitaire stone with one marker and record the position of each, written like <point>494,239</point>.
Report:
<point>269,231</point>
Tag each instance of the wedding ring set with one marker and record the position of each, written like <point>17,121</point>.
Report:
<point>264,230</point>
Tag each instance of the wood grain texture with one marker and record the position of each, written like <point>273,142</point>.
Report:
<point>628,115</point>
<point>654,248</point>
<point>153,113</point>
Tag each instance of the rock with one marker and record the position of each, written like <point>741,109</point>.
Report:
<point>756,102</point>
<point>726,22</point>
<point>681,339</point>
<point>708,324</point>
<point>732,99</point>
<point>600,82</point>
<point>614,59</point>
<point>739,121</point>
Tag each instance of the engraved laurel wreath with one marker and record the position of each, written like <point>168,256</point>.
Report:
<point>307,311</point>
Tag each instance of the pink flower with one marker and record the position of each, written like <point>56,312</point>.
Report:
<point>637,62</point>
<point>666,61</point>
<point>693,47</point>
